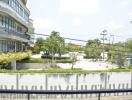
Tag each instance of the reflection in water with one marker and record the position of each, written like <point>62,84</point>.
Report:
<point>84,77</point>
<point>19,80</point>
<point>105,77</point>
<point>102,77</point>
<point>65,77</point>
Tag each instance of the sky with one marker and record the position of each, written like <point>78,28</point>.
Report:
<point>83,19</point>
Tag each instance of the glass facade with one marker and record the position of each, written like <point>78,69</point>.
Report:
<point>9,45</point>
<point>10,26</point>
<point>15,5</point>
<point>19,40</point>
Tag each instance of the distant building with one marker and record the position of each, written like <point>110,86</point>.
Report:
<point>104,56</point>
<point>128,60</point>
<point>16,29</point>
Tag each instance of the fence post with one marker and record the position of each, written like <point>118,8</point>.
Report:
<point>131,81</point>
<point>81,89</point>
<point>55,88</point>
<point>28,96</point>
<point>114,87</point>
<point>76,81</point>
<point>99,96</point>
<point>46,84</point>
<point>86,89</point>
<point>92,88</point>
<point>17,81</point>
<point>105,85</point>
<point>109,88</point>
<point>76,84</point>
<point>72,95</point>
<point>119,86</point>
<point>127,87</point>
<point>123,87</point>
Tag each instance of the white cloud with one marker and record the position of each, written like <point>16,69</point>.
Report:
<point>130,14</point>
<point>124,2</point>
<point>43,4</point>
<point>114,25</point>
<point>76,22</point>
<point>79,6</point>
<point>40,23</point>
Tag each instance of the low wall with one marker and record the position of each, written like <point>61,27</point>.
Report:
<point>33,65</point>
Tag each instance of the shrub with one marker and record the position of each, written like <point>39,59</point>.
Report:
<point>6,58</point>
<point>130,66</point>
<point>57,58</point>
<point>34,60</point>
<point>44,60</point>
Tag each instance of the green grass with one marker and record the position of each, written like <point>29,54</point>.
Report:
<point>63,71</point>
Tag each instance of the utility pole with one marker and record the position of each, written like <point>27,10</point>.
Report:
<point>52,56</point>
<point>103,33</point>
<point>113,38</point>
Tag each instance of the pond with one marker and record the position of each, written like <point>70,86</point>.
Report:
<point>66,81</point>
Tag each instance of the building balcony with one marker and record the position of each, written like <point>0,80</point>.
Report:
<point>6,9</point>
<point>6,33</point>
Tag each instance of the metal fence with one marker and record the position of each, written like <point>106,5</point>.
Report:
<point>98,93</point>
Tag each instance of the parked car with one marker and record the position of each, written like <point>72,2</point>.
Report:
<point>45,55</point>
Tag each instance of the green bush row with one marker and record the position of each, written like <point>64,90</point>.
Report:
<point>45,60</point>
<point>57,58</point>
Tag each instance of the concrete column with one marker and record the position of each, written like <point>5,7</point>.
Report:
<point>13,64</point>
<point>15,46</point>
<point>0,46</point>
<point>6,45</point>
<point>21,46</point>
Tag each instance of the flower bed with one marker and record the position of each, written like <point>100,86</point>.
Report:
<point>6,58</point>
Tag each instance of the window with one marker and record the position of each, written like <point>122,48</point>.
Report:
<point>18,8</point>
<point>0,21</point>
<point>3,21</point>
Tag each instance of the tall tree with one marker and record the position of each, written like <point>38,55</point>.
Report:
<point>55,43</point>
<point>39,45</point>
<point>128,45</point>
<point>70,47</point>
<point>93,49</point>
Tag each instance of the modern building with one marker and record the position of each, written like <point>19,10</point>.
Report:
<point>16,28</point>
<point>128,61</point>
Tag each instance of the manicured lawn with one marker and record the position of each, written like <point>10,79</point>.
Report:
<point>63,71</point>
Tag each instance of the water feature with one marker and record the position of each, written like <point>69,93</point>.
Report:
<point>65,81</point>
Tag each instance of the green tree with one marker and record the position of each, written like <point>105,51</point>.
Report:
<point>70,47</point>
<point>95,41</point>
<point>128,45</point>
<point>73,56</point>
<point>117,54</point>
<point>39,45</point>
<point>55,43</point>
<point>93,49</point>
